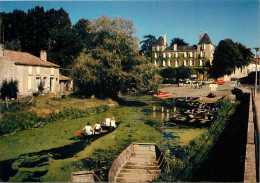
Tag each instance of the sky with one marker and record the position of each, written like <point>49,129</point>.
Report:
<point>238,20</point>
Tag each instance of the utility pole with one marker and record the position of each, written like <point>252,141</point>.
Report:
<point>256,63</point>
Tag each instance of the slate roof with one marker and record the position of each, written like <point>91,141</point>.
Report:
<point>181,48</point>
<point>24,58</point>
<point>160,42</point>
<point>205,39</point>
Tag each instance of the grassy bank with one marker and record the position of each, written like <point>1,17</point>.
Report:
<point>36,112</point>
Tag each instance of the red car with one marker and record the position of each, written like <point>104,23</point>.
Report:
<point>220,82</point>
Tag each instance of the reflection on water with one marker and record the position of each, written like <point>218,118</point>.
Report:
<point>174,135</point>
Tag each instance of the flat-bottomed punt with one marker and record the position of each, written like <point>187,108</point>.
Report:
<point>139,162</point>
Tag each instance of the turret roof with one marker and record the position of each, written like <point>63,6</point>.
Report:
<point>205,39</point>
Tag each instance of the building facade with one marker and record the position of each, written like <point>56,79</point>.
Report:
<point>189,56</point>
<point>30,71</point>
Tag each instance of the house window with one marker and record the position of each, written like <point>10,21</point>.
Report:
<point>203,46</point>
<point>38,82</point>
<point>169,55</point>
<point>44,82</point>
<point>52,71</point>
<point>186,63</point>
<point>176,55</point>
<point>202,62</point>
<point>30,70</point>
<point>185,55</point>
<point>155,63</point>
<point>164,55</point>
<point>29,84</point>
<point>191,54</point>
<point>201,54</point>
<point>177,64</point>
<point>38,70</point>
<point>157,48</point>
<point>155,55</point>
<point>164,63</point>
<point>192,63</point>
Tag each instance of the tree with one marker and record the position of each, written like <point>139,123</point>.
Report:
<point>9,89</point>
<point>146,45</point>
<point>228,56</point>
<point>113,64</point>
<point>179,42</point>
<point>83,31</point>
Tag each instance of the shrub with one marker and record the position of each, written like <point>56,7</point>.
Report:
<point>9,89</point>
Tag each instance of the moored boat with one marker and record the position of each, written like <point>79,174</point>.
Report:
<point>139,162</point>
<point>84,176</point>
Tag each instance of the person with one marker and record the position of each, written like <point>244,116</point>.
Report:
<point>88,129</point>
<point>107,120</point>
<point>113,122</point>
<point>97,128</point>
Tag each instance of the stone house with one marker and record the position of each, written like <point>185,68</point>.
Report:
<point>29,71</point>
<point>190,56</point>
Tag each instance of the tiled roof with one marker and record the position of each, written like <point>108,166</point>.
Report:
<point>64,77</point>
<point>205,39</point>
<point>181,48</point>
<point>24,58</point>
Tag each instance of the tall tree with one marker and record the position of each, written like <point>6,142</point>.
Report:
<point>227,57</point>
<point>113,64</point>
<point>146,45</point>
<point>179,42</point>
<point>83,31</point>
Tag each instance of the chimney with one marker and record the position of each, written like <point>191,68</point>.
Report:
<point>164,40</point>
<point>175,47</point>
<point>1,50</point>
<point>200,35</point>
<point>43,55</point>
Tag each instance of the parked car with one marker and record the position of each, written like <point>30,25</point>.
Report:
<point>220,82</point>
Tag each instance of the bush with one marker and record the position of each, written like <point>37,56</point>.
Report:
<point>9,89</point>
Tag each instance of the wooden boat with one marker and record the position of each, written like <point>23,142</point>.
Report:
<point>84,176</point>
<point>139,162</point>
<point>162,95</point>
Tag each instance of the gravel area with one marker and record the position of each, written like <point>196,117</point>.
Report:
<point>187,91</point>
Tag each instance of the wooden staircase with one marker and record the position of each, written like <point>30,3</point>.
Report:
<point>140,167</point>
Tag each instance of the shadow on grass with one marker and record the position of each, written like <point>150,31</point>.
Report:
<point>130,103</point>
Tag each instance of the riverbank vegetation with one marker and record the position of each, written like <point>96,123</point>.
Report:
<point>182,167</point>
<point>33,112</point>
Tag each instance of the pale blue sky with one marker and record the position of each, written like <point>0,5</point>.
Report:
<point>238,20</point>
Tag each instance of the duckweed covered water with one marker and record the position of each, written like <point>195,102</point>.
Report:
<point>50,153</point>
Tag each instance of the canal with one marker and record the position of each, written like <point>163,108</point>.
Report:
<point>52,152</point>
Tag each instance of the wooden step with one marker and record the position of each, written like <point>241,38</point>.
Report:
<point>147,167</point>
<point>137,178</point>
<point>138,171</point>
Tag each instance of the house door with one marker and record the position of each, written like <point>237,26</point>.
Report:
<point>51,84</point>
